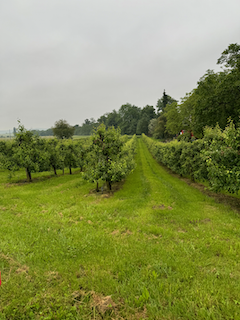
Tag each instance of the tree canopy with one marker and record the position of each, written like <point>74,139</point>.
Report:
<point>231,56</point>
<point>164,101</point>
<point>108,160</point>
<point>63,130</point>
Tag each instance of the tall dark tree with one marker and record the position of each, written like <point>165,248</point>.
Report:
<point>162,103</point>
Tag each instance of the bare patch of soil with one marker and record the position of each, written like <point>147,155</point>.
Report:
<point>103,304</point>
<point>78,295</point>
<point>153,236</point>
<point>127,233</point>
<point>23,269</point>
<point>141,314</point>
<point>107,195</point>
<point>161,207</point>
<point>53,275</point>
<point>115,232</point>
<point>181,230</point>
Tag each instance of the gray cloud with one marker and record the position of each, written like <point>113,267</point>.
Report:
<point>79,59</point>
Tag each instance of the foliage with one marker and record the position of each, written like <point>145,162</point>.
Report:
<point>216,98</point>
<point>53,154</point>
<point>163,102</point>
<point>86,128</point>
<point>62,130</point>
<point>174,121</point>
<point>35,154</point>
<point>151,126</point>
<point>28,152</point>
<point>146,115</point>
<point>215,158</point>
<point>128,118</point>
<point>179,116</point>
<point>222,154</point>
<point>82,148</point>
<point>159,128</point>
<point>231,56</point>
<point>71,155</point>
<point>108,160</point>
<point>6,155</point>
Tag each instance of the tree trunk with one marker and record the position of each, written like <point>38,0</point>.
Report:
<point>109,186</point>
<point>28,173</point>
<point>70,170</point>
<point>97,187</point>
<point>54,169</point>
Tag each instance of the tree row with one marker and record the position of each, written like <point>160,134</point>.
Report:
<point>215,158</point>
<point>105,156</point>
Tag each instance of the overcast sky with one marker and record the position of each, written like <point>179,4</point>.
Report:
<point>77,59</point>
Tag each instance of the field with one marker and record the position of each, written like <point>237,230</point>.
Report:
<point>157,248</point>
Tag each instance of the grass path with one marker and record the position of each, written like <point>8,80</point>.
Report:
<point>158,247</point>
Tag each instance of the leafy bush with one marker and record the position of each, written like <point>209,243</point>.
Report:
<point>222,154</point>
<point>215,158</point>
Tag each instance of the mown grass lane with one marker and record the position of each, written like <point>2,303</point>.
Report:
<point>156,249</point>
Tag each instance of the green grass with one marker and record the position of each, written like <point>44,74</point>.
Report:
<point>160,248</point>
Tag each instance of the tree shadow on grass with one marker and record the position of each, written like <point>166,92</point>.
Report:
<point>103,190</point>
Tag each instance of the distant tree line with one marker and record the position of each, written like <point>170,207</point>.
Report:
<point>216,98</point>
<point>214,101</point>
<point>129,118</point>
<point>43,133</point>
